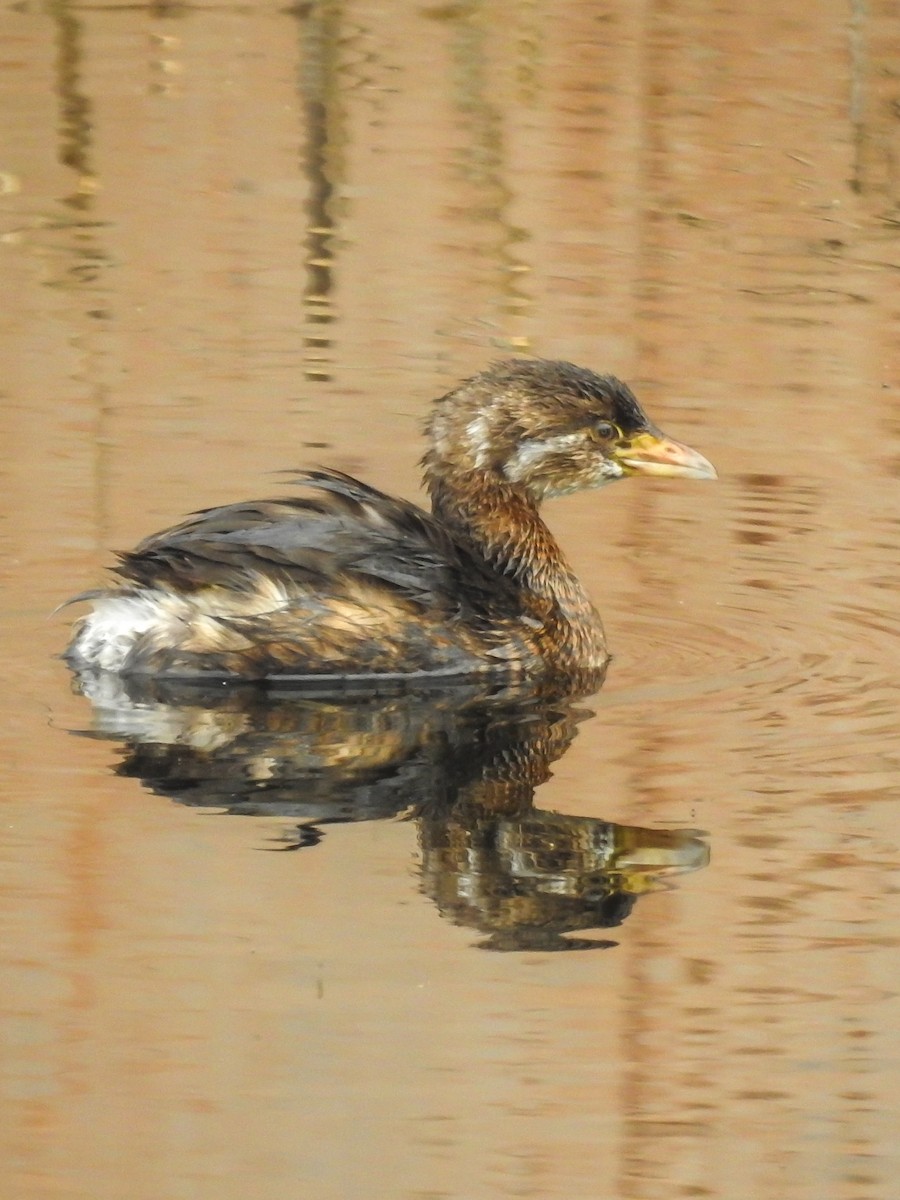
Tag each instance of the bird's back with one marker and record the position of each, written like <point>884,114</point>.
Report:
<point>342,579</point>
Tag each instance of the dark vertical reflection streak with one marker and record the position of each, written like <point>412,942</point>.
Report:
<point>648,1002</point>
<point>319,91</point>
<point>872,111</point>
<point>484,161</point>
<point>857,53</point>
<point>74,149</point>
<point>87,258</point>
<point>74,106</point>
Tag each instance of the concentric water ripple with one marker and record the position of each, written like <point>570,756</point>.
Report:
<point>668,656</point>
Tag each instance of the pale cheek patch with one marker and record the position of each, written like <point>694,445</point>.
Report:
<point>606,472</point>
<point>478,438</point>
<point>532,453</point>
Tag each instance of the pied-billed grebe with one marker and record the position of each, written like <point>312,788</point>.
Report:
<point>346,581</point>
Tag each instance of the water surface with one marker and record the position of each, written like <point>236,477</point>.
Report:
<point>242,238</point>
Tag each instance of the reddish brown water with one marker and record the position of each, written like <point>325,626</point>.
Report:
<point>235,239</point>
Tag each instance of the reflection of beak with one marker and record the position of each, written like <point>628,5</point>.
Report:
<point>655,454</point>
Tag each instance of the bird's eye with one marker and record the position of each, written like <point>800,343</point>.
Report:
<point>606,430</point>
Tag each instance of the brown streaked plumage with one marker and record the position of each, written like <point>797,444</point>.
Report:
<point>344,580</point>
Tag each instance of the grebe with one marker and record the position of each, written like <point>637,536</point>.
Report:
<point>346,581</point>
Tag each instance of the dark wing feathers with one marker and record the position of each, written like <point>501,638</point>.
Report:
<point>343,529</point>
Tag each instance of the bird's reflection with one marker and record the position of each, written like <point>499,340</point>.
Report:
<point>462,760</point>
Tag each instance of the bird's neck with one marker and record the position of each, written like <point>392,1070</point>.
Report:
<point>500,522</point>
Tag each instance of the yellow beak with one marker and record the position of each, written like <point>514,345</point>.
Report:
<point>655,454</point>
